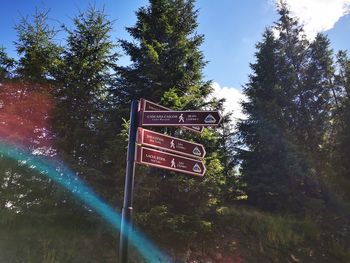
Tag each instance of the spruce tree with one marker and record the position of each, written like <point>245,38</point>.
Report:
<point>270,166</point>
<point>342,126</point>
<point>167,68</point>
<point>300,119</point>
<point>292,62</point>
<point>26,104</point>
<point>166,61</point>
<point>320,96</point>
<point>6,65</point>
<point>82,84</point>
<point>39,54</point>
<point>307,75</point>
<point>82,97</point>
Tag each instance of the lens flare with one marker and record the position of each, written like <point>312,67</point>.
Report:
<point>25,136</point>
<point>24,114</point>
<point>67,178</point>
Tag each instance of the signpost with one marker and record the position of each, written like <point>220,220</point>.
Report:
<point>170,161</point>
<point>147,105</point>
<point>169,152</point>
<point>180,118</point>
<point>171,144</point>
<point>129,185</point>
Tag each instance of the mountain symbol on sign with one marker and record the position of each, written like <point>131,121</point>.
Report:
<point>210,119</point>
<point>197,168</point>
<point>196,151</point>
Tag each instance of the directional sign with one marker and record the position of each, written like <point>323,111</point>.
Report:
<point>151,106</point>
<point>180,118</point>
<point>172,144</point>
<point>170,161</point>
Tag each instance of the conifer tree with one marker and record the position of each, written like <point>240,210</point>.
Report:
<point>342,127</point>
<point>270,166</point>
<point>26,103</point>
<point>321,99</point>
<point>82,96</point>
<point>300,118</point>
<point>292,61</point>
<point>6,65</point>
<point>167,68</point>
<point>39,54</point>
<point>307,75</point>
<point>166,61</point>
<point>343,75</point>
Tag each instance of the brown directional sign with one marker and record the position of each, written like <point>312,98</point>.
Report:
<point>180,118</point>
<point>172,144</point>
<point>170,161</point>
<point>151,106</point>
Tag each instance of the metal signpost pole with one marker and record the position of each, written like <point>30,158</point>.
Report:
<point>125,226</point>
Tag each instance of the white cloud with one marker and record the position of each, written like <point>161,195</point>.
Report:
<point>318,15</point>
<point>233,97</point>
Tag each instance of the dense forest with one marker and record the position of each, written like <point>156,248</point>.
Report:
<point>277,186</point>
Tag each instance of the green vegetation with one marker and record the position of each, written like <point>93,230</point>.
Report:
<point>266,237</point>
<point>277,185</point>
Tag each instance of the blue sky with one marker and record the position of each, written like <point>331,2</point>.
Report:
<point>231,28</point>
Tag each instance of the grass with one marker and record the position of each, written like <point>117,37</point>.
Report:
<point>271,230</point>
<point>266,237</point>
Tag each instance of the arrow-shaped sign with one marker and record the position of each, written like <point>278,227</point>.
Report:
<point>151,106</point>
<point>180,118</point>
<point>172,144</point>
<point>170,161</point>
